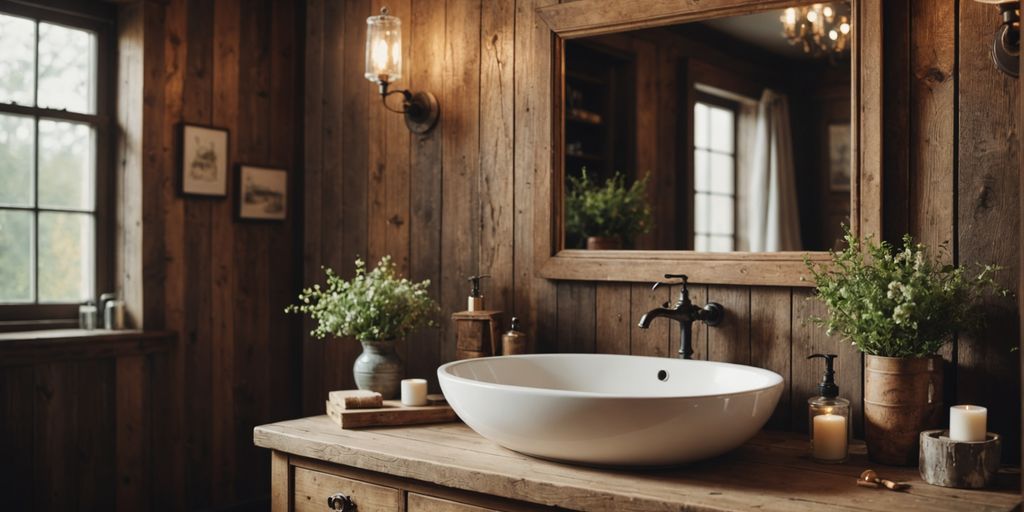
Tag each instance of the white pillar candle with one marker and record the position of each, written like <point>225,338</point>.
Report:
<point>829,437</point>
<point>414,392</point>
<point>967,423</point>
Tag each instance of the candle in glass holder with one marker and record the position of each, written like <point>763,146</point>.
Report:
<point>829,437</point>
<point>967,423</point>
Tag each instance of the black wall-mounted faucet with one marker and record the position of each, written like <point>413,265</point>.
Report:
<point>685,312</point>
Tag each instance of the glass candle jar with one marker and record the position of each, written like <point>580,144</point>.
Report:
<point>829,428</point>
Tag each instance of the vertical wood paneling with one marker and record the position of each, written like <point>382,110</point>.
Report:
<point>612,318</point>
<point>56,419</point>
<point>896,125</point>
<point>497,28</point>
<point>460,216</point>
<point>653,341</point>
<point>987,194</point>
<point>226,34</point>
<point>729,341</point>
<point>770,338</point>
<point>17,400</point>
<point>133,487</point>
<point>576,323</point>
<point>219,283</point>
<point>314,134</point>
<point>427,47</point>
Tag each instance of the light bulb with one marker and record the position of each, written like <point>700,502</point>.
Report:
<point>827,11</point>
<point>812,16</point>
<point>790,16</point>
<point>844,28</point>
<point>833,35</point>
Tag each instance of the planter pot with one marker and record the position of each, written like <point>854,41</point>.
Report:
<point>603,243</point>
<point>902,397</point>
<point>379,368</point>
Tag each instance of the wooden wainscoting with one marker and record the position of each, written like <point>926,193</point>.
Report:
<point>79,419</point>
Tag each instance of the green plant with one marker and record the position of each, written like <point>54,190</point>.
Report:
<point>609,209</point>
<point>374,305</point>
<point>898,303</point>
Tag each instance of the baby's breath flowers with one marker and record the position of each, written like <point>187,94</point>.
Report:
<point>373,306</point>
<point>898,302</point>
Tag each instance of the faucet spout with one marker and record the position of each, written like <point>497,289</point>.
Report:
<point>645,321</point>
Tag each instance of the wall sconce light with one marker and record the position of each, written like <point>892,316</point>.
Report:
<point>1006,46</point>
<point>384,67</point>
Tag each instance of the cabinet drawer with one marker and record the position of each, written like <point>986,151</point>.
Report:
<point>422,503</point>
<point>312,488</point>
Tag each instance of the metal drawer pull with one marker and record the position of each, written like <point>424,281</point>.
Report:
<point>341,502</point>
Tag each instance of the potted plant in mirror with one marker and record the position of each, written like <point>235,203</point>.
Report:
<point>608,215</point>
<point>376,308</point>
<point>899,306</point>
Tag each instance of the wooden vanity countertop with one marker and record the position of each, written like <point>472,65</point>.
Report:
<point>771,472</point>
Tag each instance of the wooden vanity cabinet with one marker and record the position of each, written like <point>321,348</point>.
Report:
<point>304,485</point>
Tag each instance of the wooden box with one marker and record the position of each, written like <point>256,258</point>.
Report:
<point>477,334</point>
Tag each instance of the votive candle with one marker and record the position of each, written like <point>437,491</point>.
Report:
<point>414,392</point>
<point>967,423</point>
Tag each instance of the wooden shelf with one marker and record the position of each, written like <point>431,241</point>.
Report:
<point>586,156</point>
<point>771,472</point>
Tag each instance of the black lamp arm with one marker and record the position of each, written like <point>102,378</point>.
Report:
<point>406,98</point>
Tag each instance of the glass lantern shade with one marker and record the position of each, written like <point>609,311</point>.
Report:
<point>383,48</point>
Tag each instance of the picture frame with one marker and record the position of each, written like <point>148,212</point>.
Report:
<point>204,161</point>
<point>839,152</point>
<point>262,193</point>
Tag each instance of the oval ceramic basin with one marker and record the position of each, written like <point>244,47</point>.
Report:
<point>611,410</point>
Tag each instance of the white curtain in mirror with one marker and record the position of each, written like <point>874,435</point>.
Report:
<point>774,223</point>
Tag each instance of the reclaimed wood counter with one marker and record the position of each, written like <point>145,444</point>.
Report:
<point>771,472</point>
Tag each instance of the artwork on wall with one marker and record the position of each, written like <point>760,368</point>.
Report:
<point>204,161</point>
<point>839,157</point>
<point>262,193</point>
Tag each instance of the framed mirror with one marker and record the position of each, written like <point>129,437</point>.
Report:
<point>726,140</point>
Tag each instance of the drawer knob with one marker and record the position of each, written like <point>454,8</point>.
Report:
<point>341,502</point>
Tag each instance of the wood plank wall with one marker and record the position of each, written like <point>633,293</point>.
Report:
<point>220,283</point>
<point>77,418</point>
<point>461,195</point>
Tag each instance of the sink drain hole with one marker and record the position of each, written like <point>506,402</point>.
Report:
<point>662,375</point>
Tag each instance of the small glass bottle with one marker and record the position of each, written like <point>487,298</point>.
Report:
<point>828,418</point>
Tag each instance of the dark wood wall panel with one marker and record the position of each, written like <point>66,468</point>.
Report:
<point>470,181</point>
<point>219,282</point>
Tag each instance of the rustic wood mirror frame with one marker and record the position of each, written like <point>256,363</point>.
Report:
<point>581,18</point>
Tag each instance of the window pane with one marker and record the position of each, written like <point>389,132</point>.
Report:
<point>66,165</point>
<point>17,59</point>
<point>67,64</point>
<point>65,257</point>
<point>700,243</point>
<point>700,213</point>
<point>722,174</point>
<point>16,256</point>
<point>720,127</point>
<point>720,215</point>
<point>16,155</point>
<point>700,170</point>
<point>700,125</point>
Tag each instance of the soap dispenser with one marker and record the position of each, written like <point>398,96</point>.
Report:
<point>828,417</point>
<point>476,299</point>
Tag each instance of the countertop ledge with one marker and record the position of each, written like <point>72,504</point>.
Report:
<point>770,472</point>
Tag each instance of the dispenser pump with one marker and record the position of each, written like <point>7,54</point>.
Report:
<point>476,299</point>
<point>827,388</point>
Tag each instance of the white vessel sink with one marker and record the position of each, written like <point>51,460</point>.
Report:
<point>611,410</point>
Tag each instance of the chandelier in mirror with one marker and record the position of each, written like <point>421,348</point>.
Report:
<point>822,30</point>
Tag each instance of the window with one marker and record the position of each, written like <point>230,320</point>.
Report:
<point>53,126</point>
<point>714,177</point>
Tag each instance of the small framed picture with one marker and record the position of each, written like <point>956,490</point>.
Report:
<point>839,157</point>
<point>204,161</point>
<point>262,193</point>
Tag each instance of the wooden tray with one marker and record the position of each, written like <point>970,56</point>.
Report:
<point>393,413</point>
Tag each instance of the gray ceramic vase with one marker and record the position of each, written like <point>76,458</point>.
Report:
<point>379,368</point>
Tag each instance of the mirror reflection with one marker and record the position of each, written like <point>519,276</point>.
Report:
<point>730,134</point>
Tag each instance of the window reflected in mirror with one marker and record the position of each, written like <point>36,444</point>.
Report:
<point>730,134</point>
